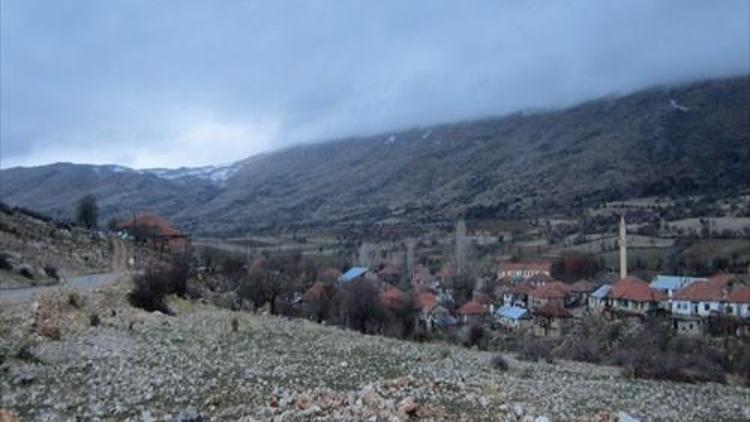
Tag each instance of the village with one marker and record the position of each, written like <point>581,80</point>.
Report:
<point>521,295</point>
<point>526,296</point>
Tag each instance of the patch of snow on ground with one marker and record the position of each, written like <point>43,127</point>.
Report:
<point>676,106</point>
<point>391,140</point>
<point>427,135</point>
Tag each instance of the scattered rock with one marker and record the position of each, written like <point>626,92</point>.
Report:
<point>8,416</point>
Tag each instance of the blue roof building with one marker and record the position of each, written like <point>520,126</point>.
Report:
<point>602,292</point>
<point>351,274</point>
<point>512,312</point>
<point>672,283</point>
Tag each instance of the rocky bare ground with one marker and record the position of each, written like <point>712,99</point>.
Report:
<point>139,366</point>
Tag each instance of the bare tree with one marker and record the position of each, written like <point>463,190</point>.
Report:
<point>461,247</point>
<point>360,306</point>
<point>263,286</point>
<point>410,245</point>
<point>87,211</point>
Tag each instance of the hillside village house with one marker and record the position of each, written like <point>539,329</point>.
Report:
<point>513,317</point>
<point>669,284</point>
<point>579,292</point>
<point>517,295</point>
<point>633,295</point>
<point>523,270</point>
<point>738,303</point>
<point>540,279</point>
<point>551,320</point>
<point>701,298</point>
<point>472,311</point>
<point>431,312</point>
<point>554,293</point>
<point>156,232</point>
<point>704,298</point>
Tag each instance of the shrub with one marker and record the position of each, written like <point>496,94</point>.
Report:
<point>474,336</point>
<point>94,320</point>
<point>647,364</point>
<point>25,353</point>
<point>533,350</point>
<point>743,368</point>
<point>26,273</point>
<point>51,331</point>
<point>75,300</point>
<point>499,363</point>
<point>51,272</point>
<point>5,263</point>
<point>150,290</point>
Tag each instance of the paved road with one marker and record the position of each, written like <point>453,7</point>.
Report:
<point>84,282</point>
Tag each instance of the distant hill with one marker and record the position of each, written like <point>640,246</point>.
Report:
<point>663,141</point>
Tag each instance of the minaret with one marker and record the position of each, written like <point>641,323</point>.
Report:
<point>623,249</point>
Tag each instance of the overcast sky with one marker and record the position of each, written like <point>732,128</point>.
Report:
<point>171,83</point>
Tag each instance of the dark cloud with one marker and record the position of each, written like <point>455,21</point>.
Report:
<point>170,83</point>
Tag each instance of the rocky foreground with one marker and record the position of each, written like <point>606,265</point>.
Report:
<point>92,357</point>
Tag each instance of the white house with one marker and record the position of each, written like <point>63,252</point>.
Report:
<point>738,302</point>
<point>701,298</point>
<point>523,270</point>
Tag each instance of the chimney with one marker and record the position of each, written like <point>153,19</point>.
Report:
<point>623,249</point>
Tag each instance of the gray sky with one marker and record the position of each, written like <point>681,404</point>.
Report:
<point>170,83</point>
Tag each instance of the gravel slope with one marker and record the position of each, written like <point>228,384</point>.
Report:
<point>140,366</point>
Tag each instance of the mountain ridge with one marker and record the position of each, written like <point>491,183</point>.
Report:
<point>669,140</point>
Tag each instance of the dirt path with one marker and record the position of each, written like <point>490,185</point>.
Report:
<point>120,256</point>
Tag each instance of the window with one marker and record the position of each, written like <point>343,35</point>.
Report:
<point>706,306</point>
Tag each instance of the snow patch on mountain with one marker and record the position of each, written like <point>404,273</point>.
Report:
<point>215,174</point>
<point>677,106</point>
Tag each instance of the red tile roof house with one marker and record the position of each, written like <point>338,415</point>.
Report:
<point>518,295</point>
<point>551,320</point>
<point>426,303</point>
<point>580,291</point>
<point>633,295</point>
<point>158,233</point>
<point>554,293</point>
<point>523,270</point>
<point>703,298</point>
<point>472,311</point>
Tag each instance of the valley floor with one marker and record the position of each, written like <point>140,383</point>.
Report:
<point>139,366</point>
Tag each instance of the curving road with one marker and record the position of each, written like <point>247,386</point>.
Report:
<point>83,282</point>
